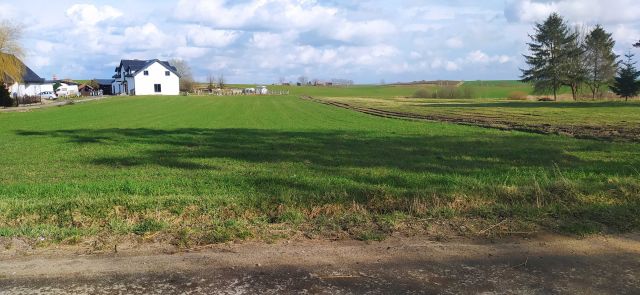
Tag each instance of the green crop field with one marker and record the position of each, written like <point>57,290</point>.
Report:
<point>593,119</point>
<point>197,170</point>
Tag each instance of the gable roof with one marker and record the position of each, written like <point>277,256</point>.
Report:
<point>29,76</point>
<point>136,66</point>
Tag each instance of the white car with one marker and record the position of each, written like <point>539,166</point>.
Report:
<point>48,95</point>
<point>68,91</point>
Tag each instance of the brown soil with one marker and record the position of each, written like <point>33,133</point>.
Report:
<point>620,133</point>
<point>407,265</point>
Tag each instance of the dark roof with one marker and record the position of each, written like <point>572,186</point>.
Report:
<point>29,76</point>
<point>136,65</point>
<point>104,81</point>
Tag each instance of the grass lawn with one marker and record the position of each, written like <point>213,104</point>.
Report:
<point>201,170</point>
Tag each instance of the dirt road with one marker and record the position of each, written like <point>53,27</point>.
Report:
<point>544,265</point>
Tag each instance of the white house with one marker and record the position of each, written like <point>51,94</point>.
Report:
<point>31,85</point>
<point>146,77</point>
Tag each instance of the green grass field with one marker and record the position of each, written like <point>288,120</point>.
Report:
<point>200,170</point>
<point>481,89</point>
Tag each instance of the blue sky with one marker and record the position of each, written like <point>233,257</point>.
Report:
<point>262,41</point>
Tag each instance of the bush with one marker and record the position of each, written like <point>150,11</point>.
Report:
<point>423,93</point>
<point>5,98</point>
<point>517,95</point>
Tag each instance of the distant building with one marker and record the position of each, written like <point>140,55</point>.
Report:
<point>146,77</point>
<point>105,85</point>
<point>31,84</point>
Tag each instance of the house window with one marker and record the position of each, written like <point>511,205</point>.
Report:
<point>146,73</point>
<point>157,88</point>
<point>167,73</point>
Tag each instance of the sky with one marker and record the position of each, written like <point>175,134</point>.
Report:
<point>264,41</point>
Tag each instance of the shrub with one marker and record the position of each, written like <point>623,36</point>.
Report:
<point>5,98</point>
<point>517,95</point>
<point>423,93</point>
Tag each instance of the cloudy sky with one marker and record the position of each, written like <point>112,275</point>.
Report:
<point>261,41</point>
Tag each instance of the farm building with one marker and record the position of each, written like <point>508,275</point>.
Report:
<point>146,77</point>
<point>105,85</point>
<point>31,84</point>
<point>86,90</point>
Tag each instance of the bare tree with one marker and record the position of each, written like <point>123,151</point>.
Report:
<point>303,80</point>
<point>212,82</point>
<point>221,81</point>
<point>10,53</point>
<point>186,75</point>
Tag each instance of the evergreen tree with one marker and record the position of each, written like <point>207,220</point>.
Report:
<point>626,84</point>
<point>600,60</point>
<point>551,46</point>
<point>573,68</point>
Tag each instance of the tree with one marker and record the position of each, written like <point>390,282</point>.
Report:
<point>626,83</point>
<point>600,60</point>
<point>573,67</point>
<point>11,68</point>
<point>186,76</point>
<point>212,82</point>
<point>94,84</point>
<point>637,44</point>
<point>550,46</point>
<point>221,81</point>
<point>303,80</point>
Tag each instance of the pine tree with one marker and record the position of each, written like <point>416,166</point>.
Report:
<point>600,60</point>
<point>573,68</point>
<point>626,84</point>
<point>550,47</point>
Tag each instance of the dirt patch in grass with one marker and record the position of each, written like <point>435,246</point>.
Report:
<point>618,133</point>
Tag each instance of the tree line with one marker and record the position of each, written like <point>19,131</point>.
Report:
<point>574,57</point>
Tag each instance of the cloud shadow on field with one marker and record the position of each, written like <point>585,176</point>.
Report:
<point>193,148</point>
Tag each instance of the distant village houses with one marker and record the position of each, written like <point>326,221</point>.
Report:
<point>145,77</point>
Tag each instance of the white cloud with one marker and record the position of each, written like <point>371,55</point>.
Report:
<point>362,31</point>
<point>190,53</point>
<point>454,42</point>
<point>298,15</point>
<point>208,37</point>
<point>581,11</point>
<point>479,57</point>
<point>44,47</point>
<point>256,13</point>
<point>87,14</point>
<point>149,36</point>
<point>264,40</point>
<point>7,11</point>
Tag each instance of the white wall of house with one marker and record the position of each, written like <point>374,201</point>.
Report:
<point>157,75</point>
<point>29,89</point>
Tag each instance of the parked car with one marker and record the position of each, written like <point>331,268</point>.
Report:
<point>48,95</point>
<point>69,91</point>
